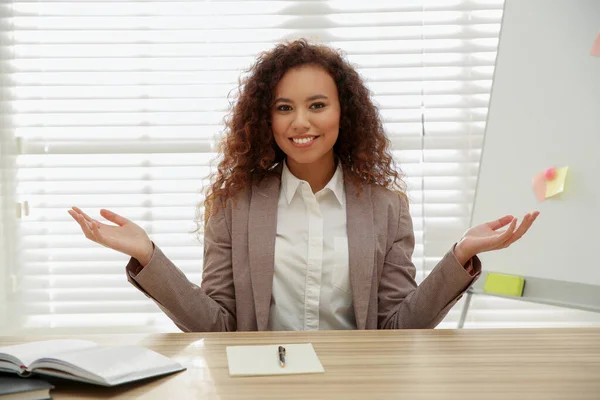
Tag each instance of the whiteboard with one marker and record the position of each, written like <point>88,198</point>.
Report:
<point>545,111</point>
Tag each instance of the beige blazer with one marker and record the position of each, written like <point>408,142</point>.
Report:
<point>239,248</point>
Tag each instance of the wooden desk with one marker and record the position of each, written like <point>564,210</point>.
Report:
<point>430,364</point>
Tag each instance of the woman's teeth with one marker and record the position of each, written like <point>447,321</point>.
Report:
<point>304,140</point>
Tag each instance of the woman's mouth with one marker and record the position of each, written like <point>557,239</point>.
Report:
<point>304,141</point>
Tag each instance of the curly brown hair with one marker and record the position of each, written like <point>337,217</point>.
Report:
<point>249,151</point>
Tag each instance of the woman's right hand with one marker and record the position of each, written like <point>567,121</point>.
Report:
<point>126,237</point>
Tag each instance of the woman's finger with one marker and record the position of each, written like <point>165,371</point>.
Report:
<point>91,230</point>
<point>96,231</point>
<point>509,231</point>
<point>525,225</point>
<point>495,242</point>
<point>85,222</point>
<point>78,218</point>
<point>72,214</point>
<point>499,223</point>
<point>92,222</point>
<point>87,230</point>
<point>87,217</point>
<point>113,217</point>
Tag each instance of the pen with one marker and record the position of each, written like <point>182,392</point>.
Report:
<point>281,352</point>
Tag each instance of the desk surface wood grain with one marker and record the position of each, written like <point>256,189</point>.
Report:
<point>408,364</point>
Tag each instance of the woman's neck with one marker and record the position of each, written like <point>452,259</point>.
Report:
<point>317,174</point>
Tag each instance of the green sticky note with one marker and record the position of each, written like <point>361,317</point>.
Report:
<point>506,285</point>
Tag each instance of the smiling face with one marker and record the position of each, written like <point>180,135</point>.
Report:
<point>305,117</point>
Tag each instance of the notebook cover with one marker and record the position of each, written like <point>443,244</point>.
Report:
<point>12,385</point>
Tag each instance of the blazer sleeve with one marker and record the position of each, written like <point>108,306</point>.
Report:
<point>403,304</point>
<point>209,308</point>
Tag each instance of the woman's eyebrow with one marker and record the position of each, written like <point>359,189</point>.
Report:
<point>317,96</point>
<point>311,98</point>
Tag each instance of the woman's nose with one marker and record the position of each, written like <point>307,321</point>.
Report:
<point>301,121</point>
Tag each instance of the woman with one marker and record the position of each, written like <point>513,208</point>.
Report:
<point>306,221</point>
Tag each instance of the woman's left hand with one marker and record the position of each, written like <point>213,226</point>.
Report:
<point>486,237</point>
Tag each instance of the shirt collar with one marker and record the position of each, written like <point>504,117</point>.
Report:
<point>290,184</point>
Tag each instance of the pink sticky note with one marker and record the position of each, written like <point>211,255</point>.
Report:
<point>596,47</point>
<point>539,186</point>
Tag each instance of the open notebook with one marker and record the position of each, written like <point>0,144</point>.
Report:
<point>85,361</point>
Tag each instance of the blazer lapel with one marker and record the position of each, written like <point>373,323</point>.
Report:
<point>262,229</point>
<point>359,217</point>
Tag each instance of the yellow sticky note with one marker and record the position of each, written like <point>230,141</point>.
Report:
<point>557,185</point>
<point>507,285</point>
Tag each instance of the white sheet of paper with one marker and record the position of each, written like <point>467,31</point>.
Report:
<point>264,360</point>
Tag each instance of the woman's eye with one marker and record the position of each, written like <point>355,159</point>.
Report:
<point>317,105</point>
<point>284,107</point>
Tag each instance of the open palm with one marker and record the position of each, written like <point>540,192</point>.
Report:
<point>487,237</point>
<point>125,236</point>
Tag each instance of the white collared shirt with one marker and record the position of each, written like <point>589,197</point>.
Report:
<point>311,281</point>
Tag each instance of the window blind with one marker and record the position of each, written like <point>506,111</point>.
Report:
<point>116,104</point>
<point>7,170</point>
<point>3,236</point>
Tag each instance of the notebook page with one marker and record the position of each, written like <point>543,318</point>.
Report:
<point>264,360</point>
<point>114,365</point>
<point>27,353</point>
